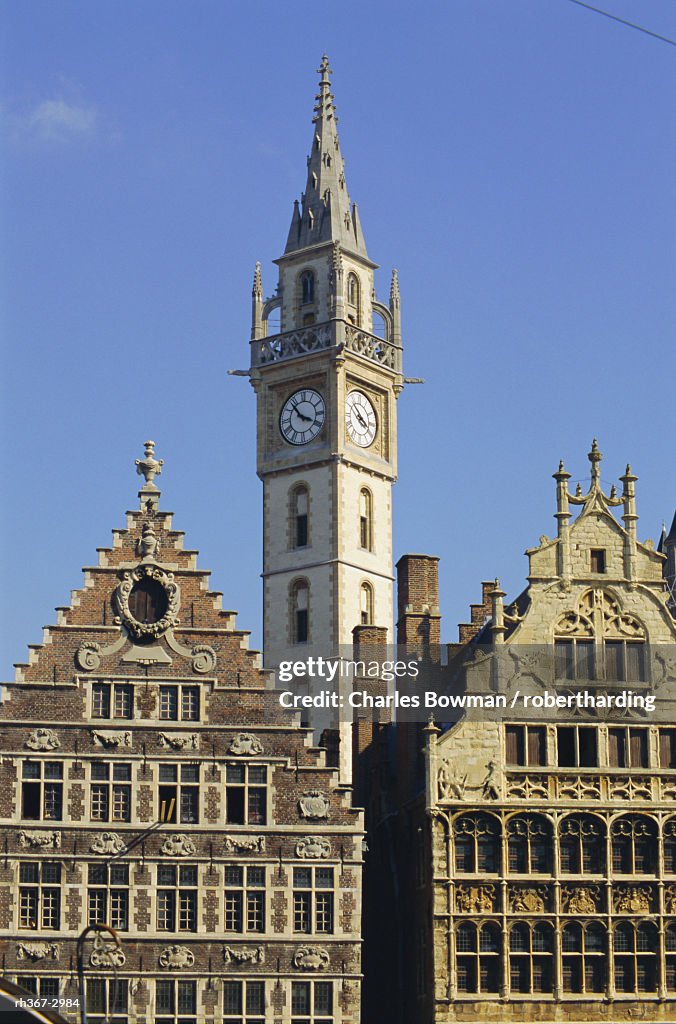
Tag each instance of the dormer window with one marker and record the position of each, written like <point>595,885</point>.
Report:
<point>307,287</point>
<point>598,560</point>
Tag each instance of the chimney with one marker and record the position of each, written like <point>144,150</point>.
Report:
<point>418,616</point>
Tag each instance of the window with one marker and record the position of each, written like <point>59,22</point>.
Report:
<point>576,746</point>
<point>246,794</point>
<point>179,703</point>
<point>107,1000</point>
<point>477,844</point>
<point>353,290</point>
<point>112,700</point>
<point>581,845</point>
<point>636,957</point>
<point>299,517</point>
<point>599,641</point>
<point>584,958</point>
<point>670,949</point>
<point>243,1002</point>
<point>670,847</point>
<point>179,800</point>
<point>175,1002</point>
<point>45,988</point>
<point>40,895</point>
<point>148,601</point>
<point>628,748</point>
<point>529,845</point>
<point>244,898</point>
<point>300,622</point>
<point>667,748</point>
<point>526,745</point>
<point>108,895</point>
<point>176,898</point>
<point>530,958</point>
<point>597,560</point>
<point>366,600</point>
<point>313,900</point>
<point>311,1002</point>
<point>110,800</point>
<point>634,845</point>
<point>307,284</point>
<point>365,519</point>
<point>478,954</point>
<point>42,791</point>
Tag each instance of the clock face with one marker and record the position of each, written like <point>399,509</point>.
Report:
<point>302,416</point>
<point>360,419</point>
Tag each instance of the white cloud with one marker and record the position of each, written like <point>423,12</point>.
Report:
<point>58,119</point>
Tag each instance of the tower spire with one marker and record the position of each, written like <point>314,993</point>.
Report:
<point>325,212</point>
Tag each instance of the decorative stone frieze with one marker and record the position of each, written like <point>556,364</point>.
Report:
<point>37,951</point>
<point>43,739</point>
<point>111,740</point>
<point>314,805</point>
<point>30,839</point>
<point>180,845</point>
<point>313,847</point>
<point>527,899</point>
<point>179,740</point>
<point>580,899</point>
<point>311,958</point>
<point>244,844</point>
<point>475,899</point>
<point>108,843</point>
<point>245,744</point>
<point>633,899</point>
<point>175,957</point>
<point>244,954</point>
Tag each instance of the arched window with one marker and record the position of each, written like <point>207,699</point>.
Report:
<point>365,519</point>
<point>581,845</point>
<point>584,958</point>
<point>299,517</point>
<point>366,610</point>
<point>353,299</point>
<point>635,957</point>
<point>531,958</point>
<point>478,955</point>
<point>300,612</point>
<point>599,641</point>
<point>634,845</point>
<point>670,949</point>
<point>477,844</point>
<point>529,839</point>
<point>307,287</point>
<point>670,847</point>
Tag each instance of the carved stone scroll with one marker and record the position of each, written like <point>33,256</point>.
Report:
<point>311,958</point>
<point>43,739</point>
<point>314,805</point>
<point>175,957</point>
<point>313,847</point>
<point>244,954</point>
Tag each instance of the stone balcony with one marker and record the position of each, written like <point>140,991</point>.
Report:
<point>336,334</point>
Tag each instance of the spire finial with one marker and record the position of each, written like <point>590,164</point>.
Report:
<point>257,290</point>
<point>595,457</point>
<point>149,467</point>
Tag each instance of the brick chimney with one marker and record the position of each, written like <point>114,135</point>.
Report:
<point>369,644</point>
<point>418,616</point>
<point>478,613</point>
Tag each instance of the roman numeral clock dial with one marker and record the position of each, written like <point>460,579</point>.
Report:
<point>302,416</point>
<point>360,419</point>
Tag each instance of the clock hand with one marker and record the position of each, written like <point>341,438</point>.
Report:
<point>306,419</point>
<point>360,417</point>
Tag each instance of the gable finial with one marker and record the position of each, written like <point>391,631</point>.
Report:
<point>149,467</point>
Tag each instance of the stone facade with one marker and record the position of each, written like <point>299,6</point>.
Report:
<point>151,783</point>
<point>545,847</point>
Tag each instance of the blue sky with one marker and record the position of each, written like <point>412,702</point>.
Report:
<point>513,159</point>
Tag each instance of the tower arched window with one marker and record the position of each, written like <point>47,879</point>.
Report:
<point>531,958</point>
<point>670,847</point>
<point>635,957</point>
<point>529,844</point>
<point>366,519</point>
<point>478,956</point>
<point>634,845</point>
<point>300,612</point>
<point>582,845</point>
<point>353,299</point>
<point>599,641</point>
<point>299,513</point>
<point>366,611</point>
<point>307,287</point>
<point>477,844</point>
<point>584,957</point>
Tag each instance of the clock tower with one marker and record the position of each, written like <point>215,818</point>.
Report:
<point>326,376</point>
